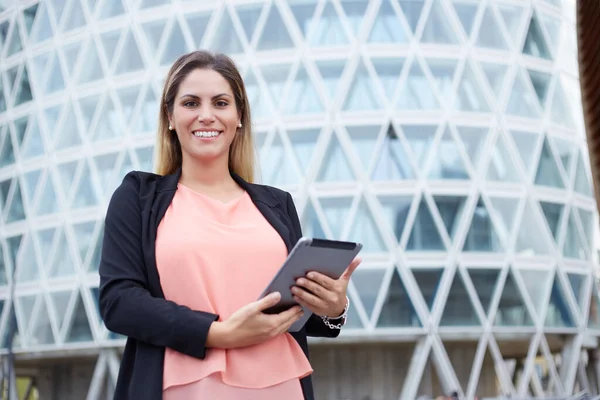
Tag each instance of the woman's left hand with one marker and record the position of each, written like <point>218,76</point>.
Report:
<point>322,295</point>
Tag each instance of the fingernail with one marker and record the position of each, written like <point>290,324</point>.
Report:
<point>311,275</point>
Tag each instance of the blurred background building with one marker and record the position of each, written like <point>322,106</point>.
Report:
<point>445,135</point>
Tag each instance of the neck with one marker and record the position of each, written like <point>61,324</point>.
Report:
<point>213,175</point>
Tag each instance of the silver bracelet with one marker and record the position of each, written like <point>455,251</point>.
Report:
<point>342,318</point>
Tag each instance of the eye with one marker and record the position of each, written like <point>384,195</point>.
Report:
<point>190,103</point>
<point>221,103</point>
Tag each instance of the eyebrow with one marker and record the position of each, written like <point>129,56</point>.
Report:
<point>193,96</point>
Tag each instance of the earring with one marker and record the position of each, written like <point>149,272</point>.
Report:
<point>240,125</point>
<point>170,127</point>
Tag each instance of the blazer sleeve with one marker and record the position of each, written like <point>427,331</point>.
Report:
<point>314,325</point>
<point>126,305</point>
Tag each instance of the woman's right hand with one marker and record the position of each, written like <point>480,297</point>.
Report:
<point>249,325</point>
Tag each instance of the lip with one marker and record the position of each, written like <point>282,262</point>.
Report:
<point>207,138</point>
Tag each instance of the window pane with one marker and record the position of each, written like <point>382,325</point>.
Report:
<point>451,209</point>
<point>485,281</point>
<point>482,234</point>
<point>367,282</point>
<point>398,310</point>
<point>425,235</point>
<point>79,331</point>
<point>428,281</point>
<point>275,34</point>
<point>511,309</point>
<point>559,314</point>
<point>458,310</point>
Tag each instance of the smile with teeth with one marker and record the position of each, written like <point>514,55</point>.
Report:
<point>206,134</point>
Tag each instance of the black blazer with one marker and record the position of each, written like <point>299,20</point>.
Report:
<point>131,299</point>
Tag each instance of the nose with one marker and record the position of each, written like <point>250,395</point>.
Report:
<point>205,114</point>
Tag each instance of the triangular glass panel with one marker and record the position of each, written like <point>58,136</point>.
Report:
<point>226,39</point>
<point>85,195</point>
<point>130,59</point>
<point>105,167</point>
<point>66,173</point>
<point>87,108</point>
<point>69,133</point>
<point>7,152</point>
<point>4,191</point>
<point>302,97</point>
<point>437,28</point>
<point>388,70</point>
<point>531,239</point>
<point>335,167</point>
<point>336,210</point>
<point>145,156</point>
<point>368,283</point>
<point>482,235</point>
<point>126,167</point>
<point>303,12</point>
<point>502,166</point>
<point>328,31</point>
<point>594,309</point>
<point>60,302</point>
<point>109,41</point>
<point>14,42</point>
<point>13,245</point>
<point>16,210</point>
<point>55,82</point>
<point>23,94</point>
<point>511,308</point>
<point>387,27</point>
<point>473,139</point>
<point>45,239</point>
<point>71,53</point>
<point>469,96</point>
<point>109,126</point>
<point>355,12</point>
<point>29,15</point>
<point>74,18</point>
<point>175,46</point>
<point>364,230</point>
<point>257,97</point>
<point>248,15</point>
<point>522,102</point>
<point>458,309</point>
<point>2,98</point>
<point>535,44</point>
<point>466,14</point>
<point>559,313</point>
<point>12,337</point>
<point>393,161</point>
<point>42,27</point>
<point>553,29</point>
<point>153,3</point>
<point>412,12</point>
<point>548,173</point>
<point>451,209</point>
<point>25,305</point>
<point>536,282</point>
<point>110,9</point>
<point>443,71</point>
<point>495,74</point>
<point>153,32</point>
<point>91,67</point>
<point>396,211</point>
<point>525,142</point>
<point>84,232</point>
<point>3,267</point>
<point>566,150</point>
<point>62,264</point>
<point>279,165</point>
<point>447,160</point>
<point>428,281</point>
<point>128,97</point>
<point>96,252</point>
<point>512,16</point>
<point>31,179</point>
<point>364,140</point>
<point>553,213</point>
<point>425,235</point>
<point>484,281</point>
<point>353,320</point>
<point>331,72</point>
<point>490,34</point>
<point>417,93</point>
<point>311,225</point>
<point>398,309</point>
<point>561,112</point>
<point>303,143</point>
<point>20,128</point>
<point>582,181</point>
<point>578,284</point>
<point>540,81</point>
<point>361,95</point>
<point>79,328</point>
<point>275,34</point>
<point>41,330</point>
<point>573,246</point>
<point>27,270</point>
<point>420,140</point>
<point>47,202</point>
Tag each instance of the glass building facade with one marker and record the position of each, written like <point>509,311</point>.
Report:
<point>445,135</point>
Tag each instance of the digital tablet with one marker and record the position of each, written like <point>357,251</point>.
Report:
<point>329,257</point>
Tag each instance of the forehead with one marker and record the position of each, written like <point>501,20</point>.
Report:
<point>204,82</point>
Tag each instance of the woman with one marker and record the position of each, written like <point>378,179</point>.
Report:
<point>187,252</point>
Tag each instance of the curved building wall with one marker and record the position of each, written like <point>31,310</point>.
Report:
<point>447,136</point>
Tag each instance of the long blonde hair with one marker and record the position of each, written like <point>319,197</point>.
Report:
<point>168,149</point>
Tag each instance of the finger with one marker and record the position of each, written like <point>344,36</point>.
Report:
<point>308,298</point>
<point>285,325</point>
<point>321,279</point>
<point>316,288</point>
<point>351,268</point>
<point>267,301</point>
<point>314,310</point>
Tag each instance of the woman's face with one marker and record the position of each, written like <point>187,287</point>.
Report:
<point>204,116</point>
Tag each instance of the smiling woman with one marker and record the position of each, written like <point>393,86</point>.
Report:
<point>187,252</point>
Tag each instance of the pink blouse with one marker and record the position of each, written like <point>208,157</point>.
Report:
<point>216,257</point>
